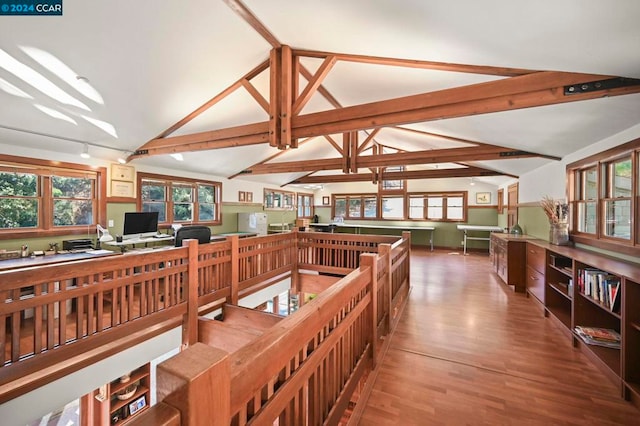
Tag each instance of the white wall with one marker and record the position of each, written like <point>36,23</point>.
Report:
<point>52,397</point>
<point>230,187</point>
<point>550,179</point>
<point>418,185</point>
<point>42,401</point>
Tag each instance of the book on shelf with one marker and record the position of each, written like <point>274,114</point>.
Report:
<point>599,286</point>
<point>599,336</point>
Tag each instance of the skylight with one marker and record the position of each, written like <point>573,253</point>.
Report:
<point>37,80</point>
<point>13,90</point>
<point>66,74</point>
<point>55,114</point>
<point>103,125</point>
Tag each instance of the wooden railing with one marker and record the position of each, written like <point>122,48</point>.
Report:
<point>336,253</point>
<point>304,370</point>
<point>55,315</point>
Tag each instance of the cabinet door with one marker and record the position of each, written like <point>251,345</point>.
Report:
<point>535,283</point>
<point>536,257</point>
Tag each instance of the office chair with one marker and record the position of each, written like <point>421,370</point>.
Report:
<point>196,232</point>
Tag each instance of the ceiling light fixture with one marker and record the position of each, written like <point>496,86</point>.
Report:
<point>472,182</point>
<point>85,151</point>
<point>178,156</point>
<point>123,158</point>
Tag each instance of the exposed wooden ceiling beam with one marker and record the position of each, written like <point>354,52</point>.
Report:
<point>395,159</point>
<point>272,157</point>
<point>412,174</point>
<point>454,139</point>
<point>412,63</point>
<point>542,88</point>
<point>249,134</point>
<point>313,85</point>
<point>334,144</point>
<point>239,8</point>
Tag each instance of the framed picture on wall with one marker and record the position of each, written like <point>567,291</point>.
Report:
<point>249,197</point>
<point>483,198</point>
<point>241,196</point>
<point>325,201</point>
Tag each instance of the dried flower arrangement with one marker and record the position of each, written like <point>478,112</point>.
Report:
<point>556,211</point>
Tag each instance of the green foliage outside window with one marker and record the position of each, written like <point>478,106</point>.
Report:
<point>18,202</point>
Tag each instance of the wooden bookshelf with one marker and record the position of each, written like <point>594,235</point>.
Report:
<point>113,409</point>
<point>570,304</point>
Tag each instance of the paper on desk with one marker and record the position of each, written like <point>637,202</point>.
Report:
<point>102,251</point>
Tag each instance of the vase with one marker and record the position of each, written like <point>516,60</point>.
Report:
<point>559,234</point>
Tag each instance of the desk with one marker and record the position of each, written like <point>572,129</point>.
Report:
<point>358,228</point>
<point>481,228</point>
<point>27,262</point>
<point>132,242</point>
<point>223,236</point>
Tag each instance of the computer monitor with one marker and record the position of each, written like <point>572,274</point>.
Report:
<point>140,225</point>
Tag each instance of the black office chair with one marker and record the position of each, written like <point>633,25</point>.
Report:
<point>196,232</point>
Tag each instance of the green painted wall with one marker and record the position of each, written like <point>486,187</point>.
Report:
<point>445,235</point>
<point>534,222</point>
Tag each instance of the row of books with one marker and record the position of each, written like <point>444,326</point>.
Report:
<point>598,336</point>
<point>600,286</point>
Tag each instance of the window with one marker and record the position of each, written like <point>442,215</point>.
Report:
<point>617,198</point>
<point>73,200</point>
<point>603,196</point>
<point>305,205</point>
<point>19,200</point>
<point>279,200</point>
<point>180,200</point>
<point>393,207</point>
<point>439,206</point>
<point>355,206</point>
<point>45,198</point>
<point>586,200</point>
<point>392,185</point>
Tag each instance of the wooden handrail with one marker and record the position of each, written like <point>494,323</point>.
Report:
<point>135,296</point>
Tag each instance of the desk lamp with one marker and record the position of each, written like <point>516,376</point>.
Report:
<point>103,236</point>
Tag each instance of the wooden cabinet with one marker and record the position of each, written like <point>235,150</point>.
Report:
<point>535,273</point>
<point>587,289</point>
<point>508,256</point>
<point>121,400</point>
<point>558,291</point>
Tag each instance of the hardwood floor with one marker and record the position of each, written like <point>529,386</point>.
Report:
<point>469,351</point>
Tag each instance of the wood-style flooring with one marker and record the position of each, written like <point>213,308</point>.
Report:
<point>469,351</point>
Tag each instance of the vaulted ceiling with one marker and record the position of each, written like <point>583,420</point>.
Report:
<point>315,92</point>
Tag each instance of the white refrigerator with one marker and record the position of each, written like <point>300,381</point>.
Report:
<point>253,222</point>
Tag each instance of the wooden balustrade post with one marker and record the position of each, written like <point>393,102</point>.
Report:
<point>235,268</point>
<point>295,277</point>
<point>406,235</point>
<point>197,382</point>
<point>385,249</point>
<point>370,260</point>
<point>190,322</point>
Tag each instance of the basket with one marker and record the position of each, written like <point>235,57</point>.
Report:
<point>127,392</point>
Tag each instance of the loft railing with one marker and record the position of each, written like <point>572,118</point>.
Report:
<point>62,312</point>
<point>305,369</point>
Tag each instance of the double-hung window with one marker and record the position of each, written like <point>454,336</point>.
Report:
<point>180,200</point>
<point>40,197</point>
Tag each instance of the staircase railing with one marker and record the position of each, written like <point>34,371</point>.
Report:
<point>60,318</point>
